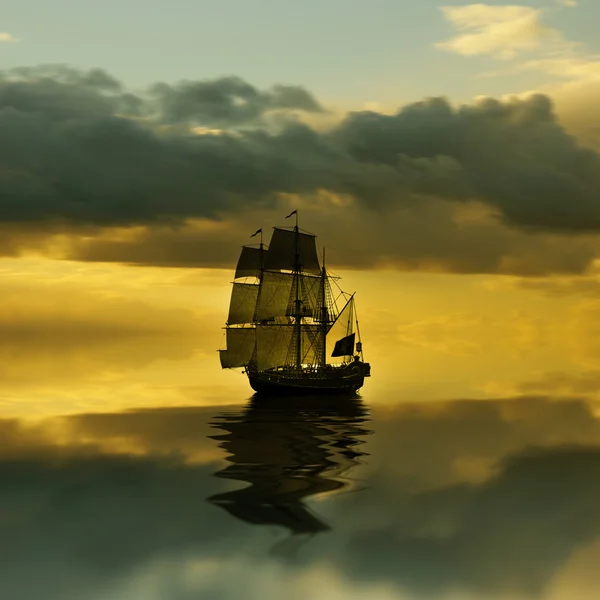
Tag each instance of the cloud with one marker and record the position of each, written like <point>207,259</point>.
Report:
<point>431,235</point>
<point>560,286</point>
<point>502,31</point>
<point>559,383</point>
<point>7,37</point>
<point>576,106</point>
<point>516,34</point>
<point>581,68</point>
<point>55,333</point>
<point>93,171</point>
<point>227,101</point>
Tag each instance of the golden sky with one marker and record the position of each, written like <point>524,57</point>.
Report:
<point>466,218</point>
<point>79,337</point>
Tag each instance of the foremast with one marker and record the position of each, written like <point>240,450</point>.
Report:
<point>252,363</point>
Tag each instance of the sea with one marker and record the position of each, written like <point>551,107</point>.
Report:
<point>373,497</point>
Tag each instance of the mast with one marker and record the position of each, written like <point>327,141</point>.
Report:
<point>297,268</point>
<point>324,315</point>
<point>261,275</point>
<point>297,301</point>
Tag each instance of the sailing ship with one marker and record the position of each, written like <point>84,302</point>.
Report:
<point>288,326</point>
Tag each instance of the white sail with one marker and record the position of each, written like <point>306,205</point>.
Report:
<point>243,303</point>
<point>249,263</point>
<point>342,327</point>
<point>282,251</point>
<point>240,347</point>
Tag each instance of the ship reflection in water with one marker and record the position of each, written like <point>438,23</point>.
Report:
<point>289,450</point>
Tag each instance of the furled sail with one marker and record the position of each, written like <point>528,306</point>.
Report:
<point>282,251</point>
<point>249,262</point>
<point>243,303</point>
<point>240,347</point>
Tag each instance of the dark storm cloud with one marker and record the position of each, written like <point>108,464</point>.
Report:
<point>425,237</point>
<point>60,92</point>
<point>227,101</point>
<point>67,155</point>
<point>77,150</point>
<point>513,155</point>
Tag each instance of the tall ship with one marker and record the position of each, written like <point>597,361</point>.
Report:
<point>290,327</point>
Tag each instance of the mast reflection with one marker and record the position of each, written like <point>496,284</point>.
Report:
<point>288,450</point>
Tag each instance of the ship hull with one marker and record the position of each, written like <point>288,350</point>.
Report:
<point>344,381</point>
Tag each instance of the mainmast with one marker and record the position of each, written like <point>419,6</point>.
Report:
<point>297,301</point>
<point>324,315</point>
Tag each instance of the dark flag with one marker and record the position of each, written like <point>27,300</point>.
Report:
<point>259,231</point>
<point>294,212</point>
<point>345,346</point>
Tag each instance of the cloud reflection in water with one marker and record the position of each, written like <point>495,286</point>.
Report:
<point>480,499</point>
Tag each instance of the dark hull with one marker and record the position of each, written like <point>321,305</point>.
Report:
<point>340,382</point>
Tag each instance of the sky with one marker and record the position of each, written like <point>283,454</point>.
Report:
<point>377,51</point>
<point>445,154</point>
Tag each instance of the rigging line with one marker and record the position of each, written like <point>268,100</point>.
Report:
<point>342,294</point>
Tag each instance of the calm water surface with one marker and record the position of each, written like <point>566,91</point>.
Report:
<point>461,499</point>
